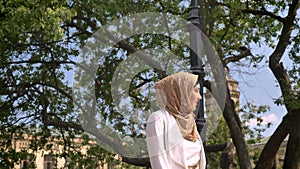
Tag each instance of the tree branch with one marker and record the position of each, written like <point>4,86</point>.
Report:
<point>215,148</point>
<point>56,62</point>
<point>144,162</point>
<point>143,56</point>
<point>274,59</point>
<point>263,12</point>
<point>92,130</point>
<point>237,58</point>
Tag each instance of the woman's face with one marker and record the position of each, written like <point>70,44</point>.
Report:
<point>195,96</point>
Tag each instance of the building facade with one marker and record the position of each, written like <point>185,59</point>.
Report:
<point>47,158</point>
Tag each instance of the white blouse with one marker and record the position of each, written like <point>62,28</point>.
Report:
<point>167,148</point>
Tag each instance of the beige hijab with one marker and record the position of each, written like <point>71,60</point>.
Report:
<point>173,94</point>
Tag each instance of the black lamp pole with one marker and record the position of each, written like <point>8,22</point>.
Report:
<point>194,27</point>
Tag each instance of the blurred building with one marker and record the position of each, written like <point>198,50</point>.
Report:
<point>279,159</point>
<point>46,159</point>
<point>233,90</point>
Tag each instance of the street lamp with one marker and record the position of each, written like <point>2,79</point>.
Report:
<point>194,27</point>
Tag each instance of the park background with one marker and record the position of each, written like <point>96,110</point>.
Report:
<point>42,41</point>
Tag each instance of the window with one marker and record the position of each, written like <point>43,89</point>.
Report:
<point>231,87</point>
<point>27,162</point>
<point>48,162</point>
<point>24,164</point>
<point>23,144</point>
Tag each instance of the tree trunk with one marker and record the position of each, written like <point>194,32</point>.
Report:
<point>267,157</point>
<point>232,122</point>
<point>237,134</point>
<point>227,157</point>
<point>292,155</point>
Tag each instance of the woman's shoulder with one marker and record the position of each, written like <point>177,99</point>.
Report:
<point>160,116</point>
<point>157,115</point>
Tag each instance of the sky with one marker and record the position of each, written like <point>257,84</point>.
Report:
<point>262,88</point>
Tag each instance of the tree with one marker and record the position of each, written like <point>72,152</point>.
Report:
<point>269,12</point>
<point>40,41</point>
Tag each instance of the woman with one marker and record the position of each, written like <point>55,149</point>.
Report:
<point>173,141</point>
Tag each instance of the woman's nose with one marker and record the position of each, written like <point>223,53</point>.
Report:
<point>199,97</point>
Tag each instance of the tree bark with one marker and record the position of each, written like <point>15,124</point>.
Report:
<point>143,162</point>
<point>227,157</point>
<point>236,134</point>
<point>215,148</point>
<point>292,155</point>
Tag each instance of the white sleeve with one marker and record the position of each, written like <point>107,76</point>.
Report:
<point>156,143</point>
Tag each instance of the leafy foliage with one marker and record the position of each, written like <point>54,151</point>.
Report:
<point>255,125</point>
<point>41,40</point>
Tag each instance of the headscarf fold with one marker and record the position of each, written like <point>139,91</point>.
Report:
<point>173,93</point>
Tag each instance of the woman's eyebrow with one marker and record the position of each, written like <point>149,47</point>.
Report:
<point>197,83</point>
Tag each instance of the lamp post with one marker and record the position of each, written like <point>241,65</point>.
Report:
<point>194,27</point>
